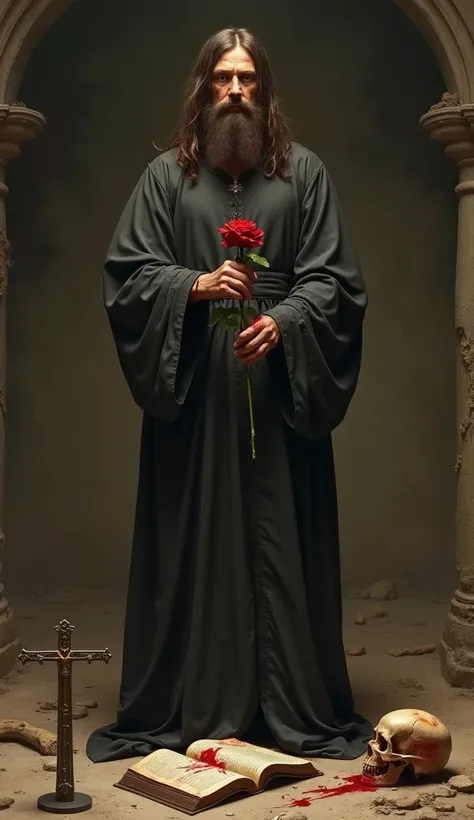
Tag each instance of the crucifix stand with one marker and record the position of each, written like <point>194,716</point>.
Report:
<point>65,800</point>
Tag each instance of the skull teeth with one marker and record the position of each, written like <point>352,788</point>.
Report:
<point>374,771</point>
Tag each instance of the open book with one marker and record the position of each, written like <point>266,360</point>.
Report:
<point>211,771</point>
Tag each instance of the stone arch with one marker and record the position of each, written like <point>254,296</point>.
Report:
<point>448,26</point>
<point>450,39</point>
<point>22,25</point>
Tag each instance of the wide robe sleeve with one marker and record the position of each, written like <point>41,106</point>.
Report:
<point>158,334</point>
<point>315,368</point>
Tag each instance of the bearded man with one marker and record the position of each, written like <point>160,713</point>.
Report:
<point>233,618</point>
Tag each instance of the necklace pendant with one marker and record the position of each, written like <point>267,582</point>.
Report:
<point>235,187</point>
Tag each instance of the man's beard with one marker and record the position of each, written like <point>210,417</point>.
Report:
<point>233,137</point>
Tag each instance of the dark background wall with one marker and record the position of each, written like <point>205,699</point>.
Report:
<point>354,77</point>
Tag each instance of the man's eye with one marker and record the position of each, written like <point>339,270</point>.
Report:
<point>222,78</point>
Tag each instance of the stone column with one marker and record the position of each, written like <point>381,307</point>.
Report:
<point>452,124</point>
<point>18,125</point>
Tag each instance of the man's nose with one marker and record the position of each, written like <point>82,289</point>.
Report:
<point>235,91</point>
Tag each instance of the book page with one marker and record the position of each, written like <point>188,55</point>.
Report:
<point>194,777</point>
<point>243,758</point>
<point>273,756</point>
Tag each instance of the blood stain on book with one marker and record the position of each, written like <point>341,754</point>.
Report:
<point>209,756</point>
<point>233,741</point>
<point>194,766</point>
<point>350,784</point>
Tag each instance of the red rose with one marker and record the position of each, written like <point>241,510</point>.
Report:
<point>241,233</point>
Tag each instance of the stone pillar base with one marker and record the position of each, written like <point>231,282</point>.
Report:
<point>457,644</point>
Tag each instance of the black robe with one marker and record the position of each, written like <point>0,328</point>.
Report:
<point>234,599</point>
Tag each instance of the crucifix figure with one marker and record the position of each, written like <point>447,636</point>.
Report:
<point>65,800</point>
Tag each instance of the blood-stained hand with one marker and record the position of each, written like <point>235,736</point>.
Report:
<point>256,341</point>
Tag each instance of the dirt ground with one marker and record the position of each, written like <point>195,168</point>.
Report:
<point>381,683</point>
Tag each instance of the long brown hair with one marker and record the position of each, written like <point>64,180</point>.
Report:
<point>188,135</point>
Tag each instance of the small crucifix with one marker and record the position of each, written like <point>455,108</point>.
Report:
<point>65,800</point>
<point>235,187</point>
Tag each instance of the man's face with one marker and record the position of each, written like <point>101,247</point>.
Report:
<point>233,122</point>
<point>234,79</point>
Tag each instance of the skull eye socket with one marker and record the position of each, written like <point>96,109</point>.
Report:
<point>382,743</point>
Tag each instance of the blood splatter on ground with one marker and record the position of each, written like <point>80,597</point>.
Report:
<point>300,804</point>
<point>352,783</point>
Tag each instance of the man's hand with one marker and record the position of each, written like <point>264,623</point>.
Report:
<point>232,280</point>
<point>257,340</point>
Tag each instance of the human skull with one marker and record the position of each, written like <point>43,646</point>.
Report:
<point>407,737</point>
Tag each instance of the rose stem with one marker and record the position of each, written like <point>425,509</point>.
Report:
<point>239,258</point>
